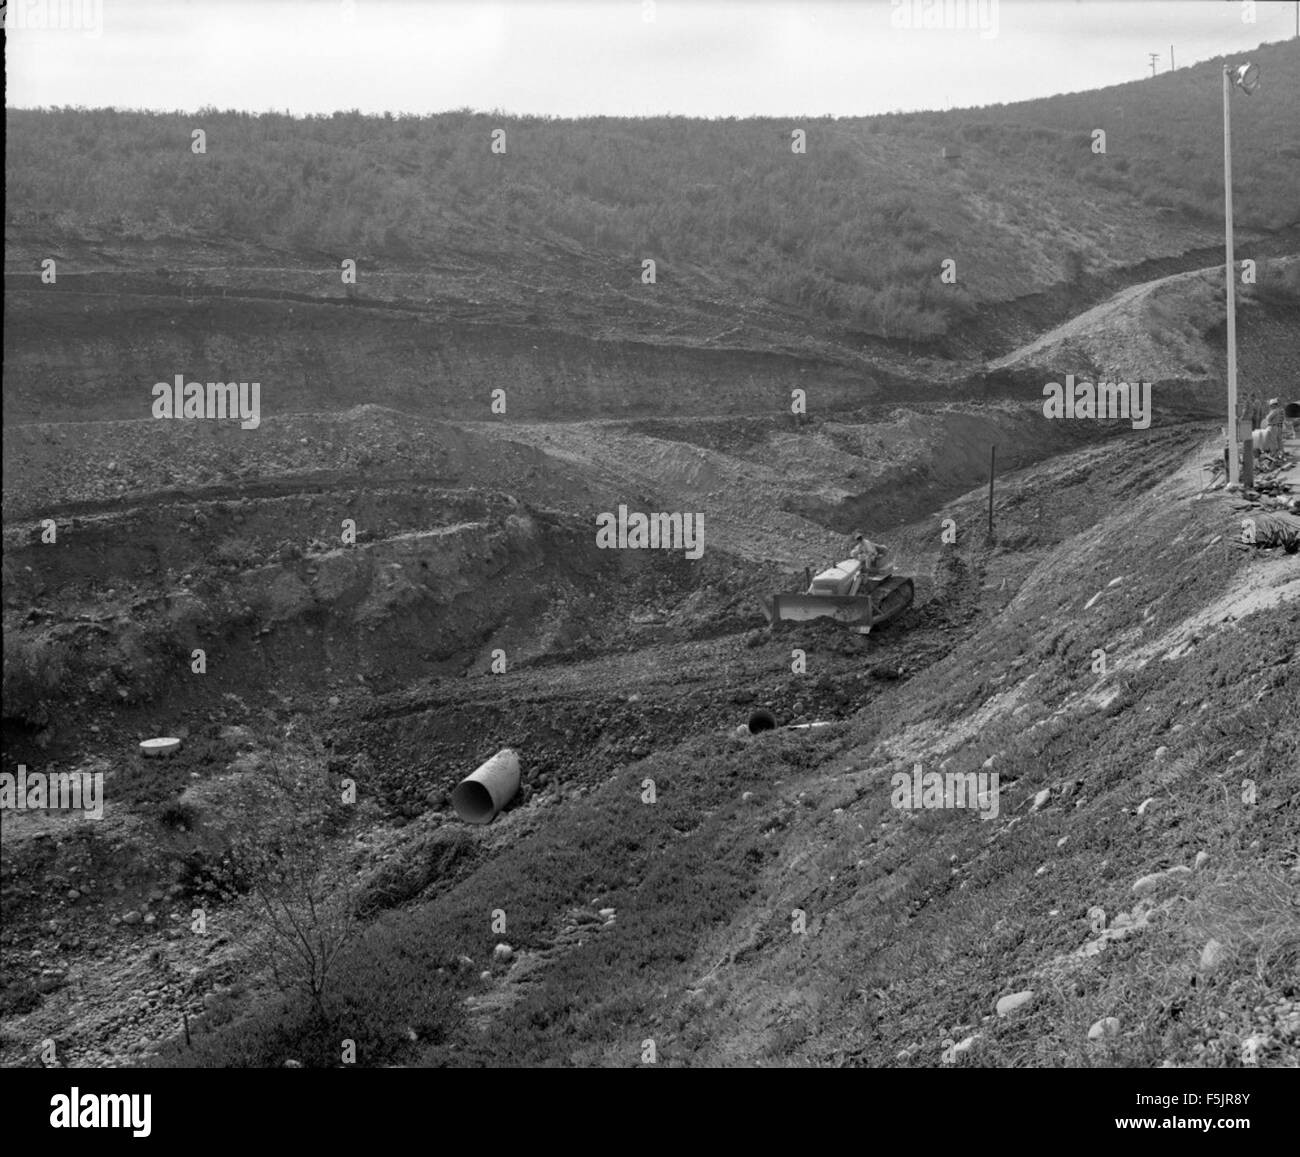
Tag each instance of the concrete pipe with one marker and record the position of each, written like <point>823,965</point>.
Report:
<point>761,720</point>
<point>479,796</point>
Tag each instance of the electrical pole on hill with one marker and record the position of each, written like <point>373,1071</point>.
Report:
<point>1154,57</point>
<point>993,465</point>
<point>1172,65</point>
<point>1245,77</point>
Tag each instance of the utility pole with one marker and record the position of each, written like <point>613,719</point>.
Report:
<point>1231,280</point>
<point>993,463</point>
<point>1154,57</point>
<point>1246,78</point>
<point>1172,65</point>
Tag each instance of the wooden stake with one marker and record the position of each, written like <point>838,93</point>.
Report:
<point>993,460</point>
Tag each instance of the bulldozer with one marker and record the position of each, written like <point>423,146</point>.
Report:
<point>849,593</point>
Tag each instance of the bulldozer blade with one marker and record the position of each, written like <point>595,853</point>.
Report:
<point>885,601</point>
<point>851,610</point>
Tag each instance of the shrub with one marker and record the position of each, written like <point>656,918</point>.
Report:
<point>309,899</point>
<point>34,668</point>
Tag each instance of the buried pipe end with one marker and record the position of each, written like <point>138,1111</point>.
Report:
<point>473,802</point>
<point>479,796</point>
<point>761,720</point>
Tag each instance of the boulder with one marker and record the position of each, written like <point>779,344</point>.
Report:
<point>1015,1001</point>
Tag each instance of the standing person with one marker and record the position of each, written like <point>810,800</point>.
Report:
<point>1273,422</point>
<point>1255,410</point>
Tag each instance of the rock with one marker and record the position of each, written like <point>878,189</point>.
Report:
<point>1041,798</point>
<point>1145,805</point>
<point>1161,751</point>
<point>1252,1046</point>
<point>74,895</point>
<point>746,796</point>
<point>964,1046</point>
<point>292,1064</point>
<point>1107,1026</point>
<point>502,952</point>
<point>132,917</point>
<point>606,913</point>
<point>1212,955</point>
<point>334,700</point>
<point>150,918</point>
<point>1144,884</point>
<point>1016,1000</point>
<point>1202,858</point>
<point>486,974</point>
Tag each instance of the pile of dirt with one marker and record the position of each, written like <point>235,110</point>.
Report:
<point>1170,332</point>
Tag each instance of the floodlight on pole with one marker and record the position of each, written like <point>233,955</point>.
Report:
<point>1245,77</point>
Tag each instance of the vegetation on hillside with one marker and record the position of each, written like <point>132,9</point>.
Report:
<point>855,229</point>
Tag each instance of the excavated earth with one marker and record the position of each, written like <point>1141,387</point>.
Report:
<point>419,577</point>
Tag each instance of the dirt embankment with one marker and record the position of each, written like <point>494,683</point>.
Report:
<point>1172,333</point>
<point>375,547</point>
<point>79,357</point>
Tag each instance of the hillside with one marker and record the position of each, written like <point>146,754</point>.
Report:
<point>555,229</point>
<point>343,608</point>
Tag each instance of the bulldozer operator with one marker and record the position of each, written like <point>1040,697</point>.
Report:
<point>870,553</point>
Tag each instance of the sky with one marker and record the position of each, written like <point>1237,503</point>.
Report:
<point>607,57</point>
